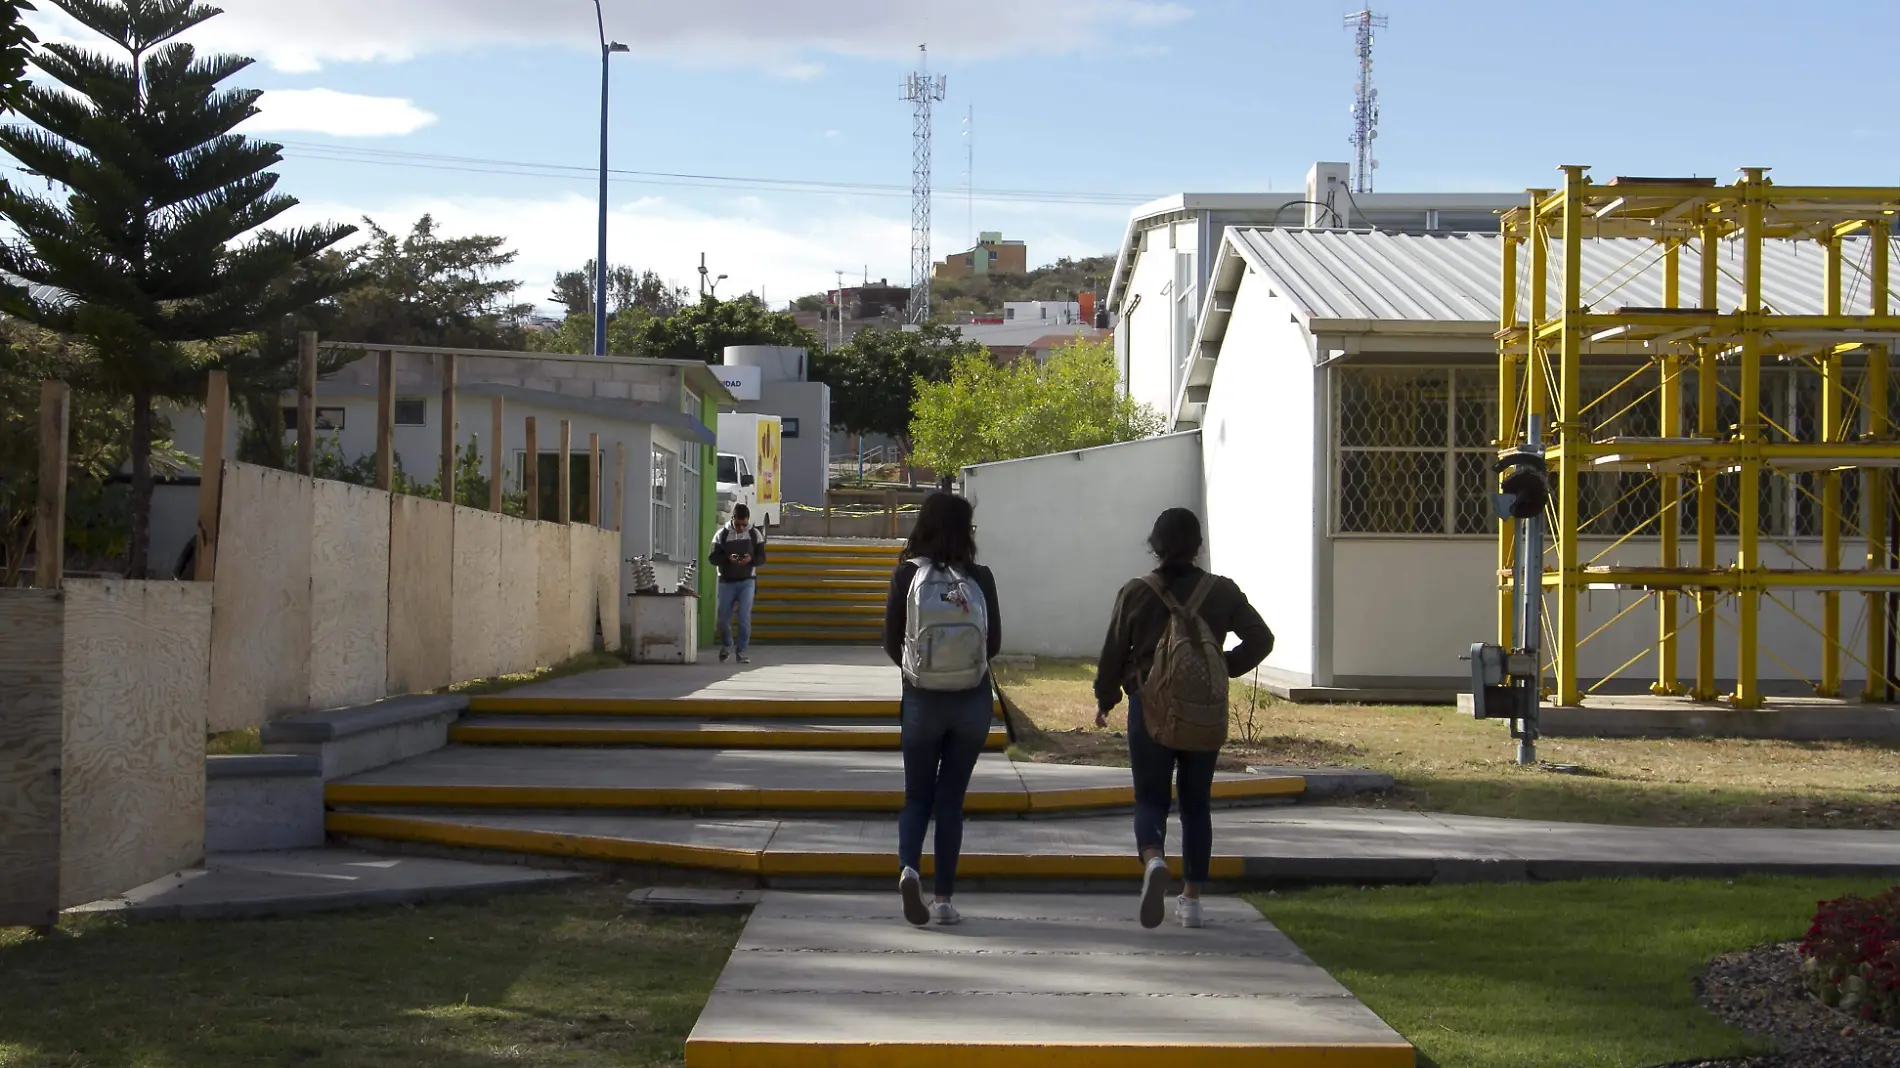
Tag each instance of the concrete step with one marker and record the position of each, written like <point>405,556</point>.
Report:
<point>742,780</point>
<point>842,734</point>
<point>712,706</point>
<point>875,587</point>
<point>817,610</point>
<point>817,636</point>
<point>1253,846</point>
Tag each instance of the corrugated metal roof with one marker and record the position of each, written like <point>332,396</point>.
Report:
<point>1454,277</point>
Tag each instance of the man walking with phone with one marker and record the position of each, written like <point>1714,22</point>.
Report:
<point>737,551</point>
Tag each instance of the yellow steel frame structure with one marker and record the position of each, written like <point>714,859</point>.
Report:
<point>1545,339</point>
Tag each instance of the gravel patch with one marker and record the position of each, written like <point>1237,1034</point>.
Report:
<point>1760,991</point>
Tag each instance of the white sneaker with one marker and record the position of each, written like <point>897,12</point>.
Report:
<point>1154,892</point>
<point>910,886</point>
<point>1188,910</point>
<point>945,913</point>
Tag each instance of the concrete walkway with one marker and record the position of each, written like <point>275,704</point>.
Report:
<point>1049,980</point>
<point>777,673</point>
<point>233,885</point>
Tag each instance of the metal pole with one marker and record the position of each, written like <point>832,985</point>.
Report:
<point>600,255</point>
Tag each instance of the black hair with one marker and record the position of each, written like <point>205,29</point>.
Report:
<point>1176,539</point>
<point>945,531</point>
<point>740,511</point>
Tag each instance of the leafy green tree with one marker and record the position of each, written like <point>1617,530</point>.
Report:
<point>985,412</point>
<point>874,377</point>
<point>702,331</point>
<point>146,251</point>
<point>424,288</point>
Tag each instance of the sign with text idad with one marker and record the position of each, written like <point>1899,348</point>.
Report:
<point>741,382</point>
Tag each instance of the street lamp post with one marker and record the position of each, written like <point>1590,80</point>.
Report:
<point>607,49</point>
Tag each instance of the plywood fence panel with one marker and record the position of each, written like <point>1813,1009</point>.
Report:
<point>583,563</point>
<point>608,574</point>
<point>31,628</point>
<point>475,612</point>
<point>349,595</point>
<point>553,615</point>
<point>136,688</point>
<point>421,558</point>
<point>520,563</point>
<point>261,624</point>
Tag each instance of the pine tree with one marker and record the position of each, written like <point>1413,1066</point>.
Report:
<point>155,243</point>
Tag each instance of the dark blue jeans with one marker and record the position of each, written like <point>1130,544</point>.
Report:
<point>943,735</point>
<point>1155,767</point>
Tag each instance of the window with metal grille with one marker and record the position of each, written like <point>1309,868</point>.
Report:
<point>689,496</point>
<point>1413,450</point>
<point>664,534</point>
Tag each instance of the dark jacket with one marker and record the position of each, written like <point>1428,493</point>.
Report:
<point>897,609</point>
<point>729,543</point>
<point>1140,618</point>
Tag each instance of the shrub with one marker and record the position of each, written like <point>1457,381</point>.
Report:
<point>1851,956</point>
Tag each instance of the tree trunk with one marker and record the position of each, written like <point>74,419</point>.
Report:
<point>141,542</point>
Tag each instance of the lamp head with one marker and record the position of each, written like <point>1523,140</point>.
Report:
<point>616,46</point>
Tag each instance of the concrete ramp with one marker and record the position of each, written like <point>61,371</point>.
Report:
<point>1048,980</point>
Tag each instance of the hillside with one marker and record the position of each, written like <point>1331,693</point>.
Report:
<point>1061,280</point>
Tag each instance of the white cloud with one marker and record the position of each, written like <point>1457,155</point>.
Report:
<point>764,246</point>
<point>800,72</point>
<point>303,35</point>
<point>327,111</point>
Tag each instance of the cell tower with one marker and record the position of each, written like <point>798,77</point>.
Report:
<point>922,90</point>
<point>1365,105</point>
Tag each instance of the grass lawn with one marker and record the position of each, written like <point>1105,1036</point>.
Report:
<point>561,977</point>
<point>1445,762</point>
<point>1573,974</point>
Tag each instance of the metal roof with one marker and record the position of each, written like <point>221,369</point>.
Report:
<point>1360,276</point>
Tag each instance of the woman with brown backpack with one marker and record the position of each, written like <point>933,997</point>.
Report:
<point>1166,649</point>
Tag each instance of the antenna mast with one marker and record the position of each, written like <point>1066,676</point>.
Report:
<point>922,90</point>
<point>1365,106</point>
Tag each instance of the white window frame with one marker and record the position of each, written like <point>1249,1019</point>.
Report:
<point>662,535</point>
<point>692,403</point>
<point>691,485</point>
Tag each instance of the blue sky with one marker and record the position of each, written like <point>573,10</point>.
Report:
<point>1094,102</point>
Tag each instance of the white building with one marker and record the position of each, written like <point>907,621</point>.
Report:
<point>1344,394</point>
<point>1046,312</point>
<point>1161,269</point>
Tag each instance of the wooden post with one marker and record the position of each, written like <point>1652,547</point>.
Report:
<point>620,482</point>
<point>531,474</point>
<point>448,428</point>
<point>890,509</point>
<point>49,536</point>
<point>307,403</point>
<point>385,419</point>
<point>494,455</point>
<point>594,481</point>
<point>562,497</point>
<point>211,476</point>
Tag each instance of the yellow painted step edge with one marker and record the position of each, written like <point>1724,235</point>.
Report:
<point>766,1053</point>
<point>758,799</point>
<point>723,708</point>
<point>439,831</point>
<point>479,734</point>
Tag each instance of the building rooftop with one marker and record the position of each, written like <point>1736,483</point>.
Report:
<point>1453,278</point>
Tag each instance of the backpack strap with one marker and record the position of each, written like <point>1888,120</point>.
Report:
<point>1202,590</point>
<point>1160,589</point>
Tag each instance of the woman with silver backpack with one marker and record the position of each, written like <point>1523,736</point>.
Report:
<point>941,627</point>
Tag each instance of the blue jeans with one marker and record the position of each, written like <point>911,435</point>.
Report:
<point>735,595</point>
<point>1192,776</point>
<point>943,735</point>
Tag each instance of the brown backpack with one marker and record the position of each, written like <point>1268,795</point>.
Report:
<point>1184,697</point>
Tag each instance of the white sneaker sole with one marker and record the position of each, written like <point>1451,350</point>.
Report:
<point>911,889</point>
<point>1154,895</point>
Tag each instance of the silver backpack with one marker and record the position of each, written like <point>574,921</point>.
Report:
<point>947,630</point>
